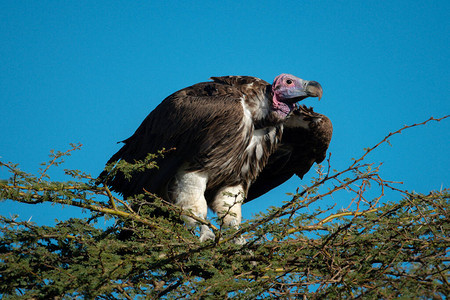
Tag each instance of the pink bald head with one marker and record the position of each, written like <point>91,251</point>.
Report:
<point>288,89</point>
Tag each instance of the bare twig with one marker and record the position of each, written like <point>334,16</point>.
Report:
<point>59,155</point>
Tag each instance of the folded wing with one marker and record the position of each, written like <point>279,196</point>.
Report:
<point>305,140</point>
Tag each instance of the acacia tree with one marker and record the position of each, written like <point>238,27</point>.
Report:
<point>373,248</point>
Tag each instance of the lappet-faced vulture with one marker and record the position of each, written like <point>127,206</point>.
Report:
<point>231,137</point>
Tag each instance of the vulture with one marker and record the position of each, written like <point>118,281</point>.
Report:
<point>232,139</point>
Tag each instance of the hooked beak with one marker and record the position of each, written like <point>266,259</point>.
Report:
<point>304,90</point>
<point>313,89</point>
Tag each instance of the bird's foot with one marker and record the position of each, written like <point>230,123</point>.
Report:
<point>206,234</point>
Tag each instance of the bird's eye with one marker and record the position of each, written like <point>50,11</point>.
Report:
<point>289,81</point>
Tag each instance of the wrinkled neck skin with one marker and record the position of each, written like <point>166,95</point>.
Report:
<point>282,109</point>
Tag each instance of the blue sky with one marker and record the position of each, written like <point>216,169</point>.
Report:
<point>90,72</point>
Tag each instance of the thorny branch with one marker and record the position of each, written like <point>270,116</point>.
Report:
<point>385,139</point>
<point>300,261</point>
<point>301,199</point>
<point>57,156</point>
<point>364,173</point>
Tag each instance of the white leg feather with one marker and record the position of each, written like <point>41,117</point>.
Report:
<point>188,193</point>
<point>227,205</point>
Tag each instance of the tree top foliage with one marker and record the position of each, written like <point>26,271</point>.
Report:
<point>373,248</point>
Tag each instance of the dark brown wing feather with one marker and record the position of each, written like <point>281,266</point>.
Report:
<point>195,121</point>
<point>300,148</point>
<point>204,124</point>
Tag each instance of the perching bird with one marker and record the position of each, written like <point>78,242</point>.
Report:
<point>222,133</point>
